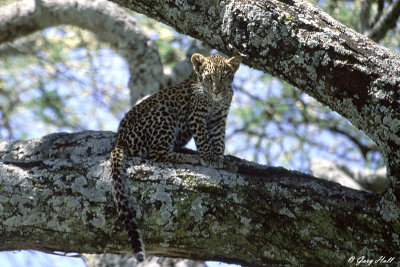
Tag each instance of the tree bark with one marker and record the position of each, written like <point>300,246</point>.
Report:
<point>55,196</point>
<point>299,43</point>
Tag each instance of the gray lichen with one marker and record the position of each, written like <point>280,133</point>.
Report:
<point>183,210</point>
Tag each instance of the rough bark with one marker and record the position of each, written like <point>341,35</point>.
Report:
<point>299,43</point>
<point>55,195</point>
<point>109,22</point>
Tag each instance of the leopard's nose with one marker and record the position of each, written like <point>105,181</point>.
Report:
<point>217,88</point>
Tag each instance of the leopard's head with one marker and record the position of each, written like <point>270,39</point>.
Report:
<point>215,73</point>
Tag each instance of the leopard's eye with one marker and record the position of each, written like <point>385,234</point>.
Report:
<point>207,77</point>
<point>227,78</point>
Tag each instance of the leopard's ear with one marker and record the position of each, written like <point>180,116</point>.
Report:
<point>234,62</point>
<point>197,61</point>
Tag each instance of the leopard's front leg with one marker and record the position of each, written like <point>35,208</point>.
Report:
<point>211,149</point>
<point>216,130</point>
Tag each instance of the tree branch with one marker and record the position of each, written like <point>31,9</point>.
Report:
<point>109,22</point>
<point>299,43</point>
<point>386,21</point>
<point>55,195</point>
<point>21,46</point>
<point>363,179</point>
<point>365,11</point>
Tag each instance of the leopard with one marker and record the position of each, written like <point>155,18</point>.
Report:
<point>161,125</point>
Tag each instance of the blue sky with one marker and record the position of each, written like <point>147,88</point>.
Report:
<point>27,258</point>
<point>38,259</point>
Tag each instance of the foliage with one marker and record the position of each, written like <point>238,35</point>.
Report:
<point>61,83</point>
<point>283,126</point>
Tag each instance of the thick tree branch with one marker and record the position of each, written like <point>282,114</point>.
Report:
<point>55,195</point>
<point>109,22</point>
<point>301,44</point>
<point>290,39</point>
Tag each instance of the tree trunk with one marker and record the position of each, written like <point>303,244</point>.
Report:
<point>55,196</point>
<point>299,43</point>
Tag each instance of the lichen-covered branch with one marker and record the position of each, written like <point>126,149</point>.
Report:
<point>301,44</point>
<point>109,22</point>
<point>55,195</point>
<point>290,39</point>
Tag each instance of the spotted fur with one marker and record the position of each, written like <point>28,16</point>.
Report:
<point>161,124</point>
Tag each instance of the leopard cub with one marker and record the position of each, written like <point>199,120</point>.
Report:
<point>165,122</point>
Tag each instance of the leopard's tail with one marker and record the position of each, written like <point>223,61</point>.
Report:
<point>126,213</point>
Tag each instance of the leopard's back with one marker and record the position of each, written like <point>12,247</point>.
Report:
<point>145,126</point>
